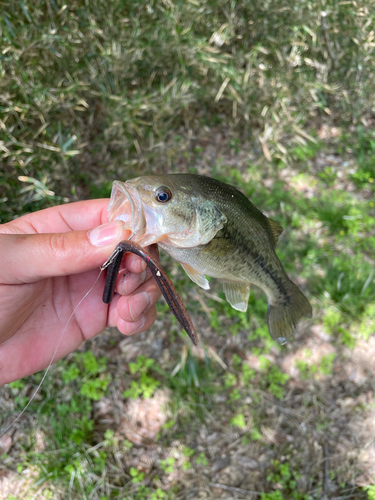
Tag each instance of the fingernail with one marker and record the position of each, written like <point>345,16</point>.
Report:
<point>106,234</point>
<point>138,304</point>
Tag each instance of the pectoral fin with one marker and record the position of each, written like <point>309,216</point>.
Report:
<point>199,279</point>
<point>237,294</point>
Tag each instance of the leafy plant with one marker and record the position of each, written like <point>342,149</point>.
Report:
<point>137,476</point>
<point>273,377</point>
<point>282,475</point>
<point>370,490</point>
<point>239,421</point>
<point>146,385</point>
<point>168,465</point>
<point>201,459</point>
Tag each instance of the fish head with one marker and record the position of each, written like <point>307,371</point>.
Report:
<point>165,208</point>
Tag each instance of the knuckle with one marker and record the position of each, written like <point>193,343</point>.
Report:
<point>57,244</point>
<point>58,249</point>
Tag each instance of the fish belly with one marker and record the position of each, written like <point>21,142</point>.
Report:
<point>234,266</point>
<point>286,303</point>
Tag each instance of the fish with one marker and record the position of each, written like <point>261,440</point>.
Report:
<point>212,229</point>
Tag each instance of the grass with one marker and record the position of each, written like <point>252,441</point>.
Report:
<point>275,98</point>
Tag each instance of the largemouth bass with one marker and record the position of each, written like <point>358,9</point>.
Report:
<point>212,229</point>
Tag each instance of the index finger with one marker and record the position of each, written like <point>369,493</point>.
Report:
<point>80,215</point>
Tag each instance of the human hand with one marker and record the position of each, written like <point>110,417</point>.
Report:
<point>49,260</point>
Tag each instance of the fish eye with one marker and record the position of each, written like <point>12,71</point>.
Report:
<point>163,194</point>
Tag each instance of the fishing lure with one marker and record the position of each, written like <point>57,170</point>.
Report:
<point>165,284</point>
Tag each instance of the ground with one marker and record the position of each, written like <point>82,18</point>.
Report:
<point>91,95</point>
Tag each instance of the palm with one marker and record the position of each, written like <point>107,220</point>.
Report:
<point>41,311</point>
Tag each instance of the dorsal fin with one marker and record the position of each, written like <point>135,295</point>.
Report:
<point>276,229</point>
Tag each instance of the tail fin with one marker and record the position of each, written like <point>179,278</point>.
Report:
<point>283,317</point>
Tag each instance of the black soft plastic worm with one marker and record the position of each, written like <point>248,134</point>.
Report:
<point>165,284</point>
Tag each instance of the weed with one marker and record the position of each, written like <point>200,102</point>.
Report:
<point>273,378</point>
<point>370,490</point>
<point>331,319</point>
<point>145,385</point>
<point>247,374</point>
<point>282,475</point>
<point>363,143</point>
<point>235,395</point>
<point>326,363</point>
<point>274,495</point>
<point>237,361</point>
<point>136,475</point>
<point>158,495</point>
<point>193,386</point>
<point>168,465</point>
<point>188,452</point>
<point>255,434</point>
<point>239,421</point>
<point>201,459</point>
<point>324,367</point>
<point>186,465</point>
<point>230,380</point>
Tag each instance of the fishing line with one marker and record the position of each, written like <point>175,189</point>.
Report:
<point>104,266</point>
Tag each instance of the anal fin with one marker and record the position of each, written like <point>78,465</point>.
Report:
<point>199,279</point>
<point>237,294</point>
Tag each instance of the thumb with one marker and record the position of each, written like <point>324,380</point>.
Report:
<point>27,258</point>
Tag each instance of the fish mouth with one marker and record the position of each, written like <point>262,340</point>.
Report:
<point>126,205</point>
